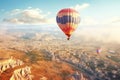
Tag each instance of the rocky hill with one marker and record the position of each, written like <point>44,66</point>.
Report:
<point>20,67</point>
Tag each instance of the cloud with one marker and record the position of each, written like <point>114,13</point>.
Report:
<point>115,20</point>
<point>35,16</point>
<point>85,20</point>
<point>27,16</point>
<point>81,7</point>
<point>88,21</point>
<point>52,20</point>
<point>103,33</point>
<point>13,20</point>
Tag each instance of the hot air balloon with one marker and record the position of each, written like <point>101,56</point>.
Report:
<point>68,20</point>
<point>98,50</point>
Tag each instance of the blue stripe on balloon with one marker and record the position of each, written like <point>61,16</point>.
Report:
<point>68,19</point>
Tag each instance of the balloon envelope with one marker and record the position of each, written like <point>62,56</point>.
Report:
<point>68,20</point>
<point>98,50</point>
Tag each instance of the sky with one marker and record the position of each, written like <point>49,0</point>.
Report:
<point>98,17</point>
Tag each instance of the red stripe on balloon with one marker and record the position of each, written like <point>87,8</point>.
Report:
<point>67,30</point>
<point>67,10</point>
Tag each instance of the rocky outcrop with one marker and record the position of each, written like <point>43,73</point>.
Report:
<point>14,69</point>
<point>22,74</point>
<point>77,76</point>
<point>9,63</point>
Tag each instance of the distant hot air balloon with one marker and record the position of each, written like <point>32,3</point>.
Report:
<point>98,50</point>
<point>68,20</point>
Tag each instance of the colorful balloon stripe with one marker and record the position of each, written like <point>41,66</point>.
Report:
<point>68,10</point>
<point>68,19</point>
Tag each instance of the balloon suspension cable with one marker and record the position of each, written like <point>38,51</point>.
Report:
<point>68,38</point>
